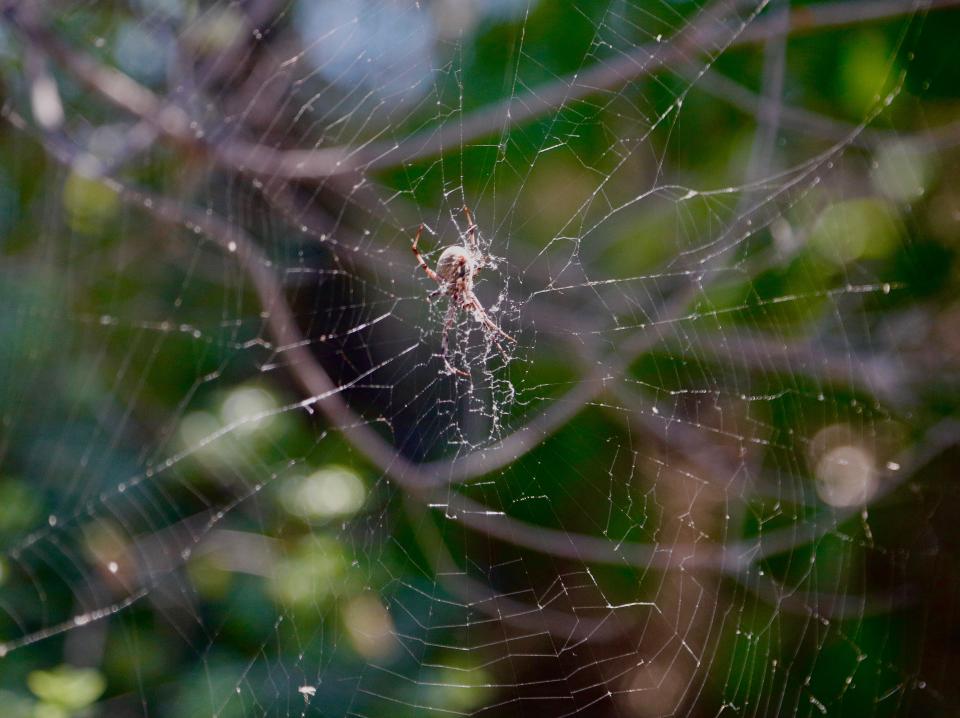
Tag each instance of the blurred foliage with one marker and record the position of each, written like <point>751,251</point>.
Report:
<point>65,691</point>
<point>151,436</point>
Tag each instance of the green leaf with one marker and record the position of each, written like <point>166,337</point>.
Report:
<point>67,687</point>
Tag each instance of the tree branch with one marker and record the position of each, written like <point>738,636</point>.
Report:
<point>571,629</point>
<point>809,122</point>
<point>175,124</point>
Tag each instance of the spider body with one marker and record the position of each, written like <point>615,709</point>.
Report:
<point>456,269</point>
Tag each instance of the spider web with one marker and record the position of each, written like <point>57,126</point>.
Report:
<point>704,478</point>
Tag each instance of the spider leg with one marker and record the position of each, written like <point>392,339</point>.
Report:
<point>481,316</point>
<point>426,267</point>
<point>474,245</point>
<point>503,352</point>
<point>444,347</point>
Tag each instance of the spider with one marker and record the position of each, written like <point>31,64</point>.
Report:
<point>455,273</point>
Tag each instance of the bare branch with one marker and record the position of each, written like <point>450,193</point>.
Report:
<point>572,629</point>
<point>645,60</point>
<point>871,373</point>
<point>421,482</point>
<point>693,39</point>
<point>809,122</point>
<point>823,605</point>
<point>425,482</point>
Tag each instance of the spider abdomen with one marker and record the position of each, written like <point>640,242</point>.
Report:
<point>454,264</point>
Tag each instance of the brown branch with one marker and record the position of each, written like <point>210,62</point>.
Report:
<point>572,629</point>
<point>809,122</point>
<point>824,605</point>
<point>645,60</point>
<point>427,482</point>
<point>763,148</point>
<point>422,482</point>
<point>872,374</point>
<point>176,125</point>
